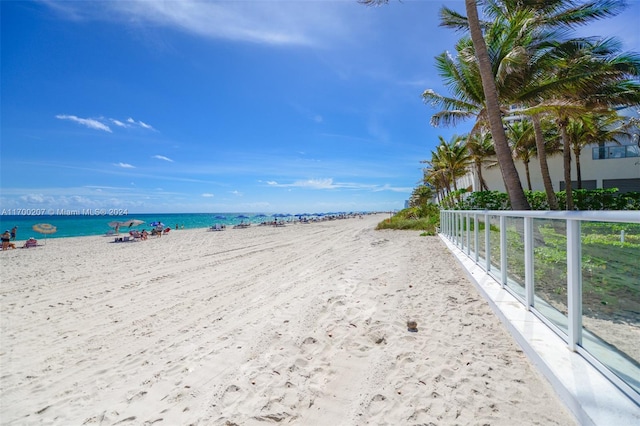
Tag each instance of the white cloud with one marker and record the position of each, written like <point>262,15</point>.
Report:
<point>36,198</point>
<point>264,22</point>
<point>87,122</point>
<point>387,187</point>
<point>125,165</point>
<point>162,157</point>
<point>328,183</point>
<point>315,184</point>
<point>140,123</point>
<point>118,123</point>
<point>93,123</point>
<point>207,195</point>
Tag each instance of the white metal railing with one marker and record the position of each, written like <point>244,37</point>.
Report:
<point>519,240</point>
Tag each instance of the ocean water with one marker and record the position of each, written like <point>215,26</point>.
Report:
<point>74,224</point>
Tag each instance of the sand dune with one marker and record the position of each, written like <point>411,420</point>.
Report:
<point>304,324</point>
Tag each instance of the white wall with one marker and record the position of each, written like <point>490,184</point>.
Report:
<point>618,168</point>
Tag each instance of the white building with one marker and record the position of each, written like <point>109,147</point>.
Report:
<point>611,166</point>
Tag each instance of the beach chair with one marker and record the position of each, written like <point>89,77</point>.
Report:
<point>31,242</point>
<point>217,227</point>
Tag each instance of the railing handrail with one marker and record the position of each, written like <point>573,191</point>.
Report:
<point>632,216</point>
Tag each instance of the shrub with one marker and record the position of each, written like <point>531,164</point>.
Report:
<point>584,199</point>
<point>425,217</point>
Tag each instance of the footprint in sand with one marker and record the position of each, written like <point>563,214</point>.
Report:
<point>231,394</point>
<point>376,405</point>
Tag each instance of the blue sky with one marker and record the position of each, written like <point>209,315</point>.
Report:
<point>246,106</point>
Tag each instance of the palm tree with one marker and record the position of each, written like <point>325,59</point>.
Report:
<point>480,148</point>
<point>436,177</point>
<point>523,144</point>
<point>503,152</point>
<point>595,128</point>
<point>421,195</point>
<point>527,30</point>
<point>589,76</point>
<point>452,159</point>
<point>448,162</point>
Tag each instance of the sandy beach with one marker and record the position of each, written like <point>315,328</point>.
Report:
<point>304,324</point>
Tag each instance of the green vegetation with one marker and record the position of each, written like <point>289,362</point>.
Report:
<point>425,217</point>
<point>583,199</point>
<point>610,276</point>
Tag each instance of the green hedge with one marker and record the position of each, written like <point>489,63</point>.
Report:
<point>583,199</point>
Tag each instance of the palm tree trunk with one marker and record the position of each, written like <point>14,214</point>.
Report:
<point>567,162</point>
<point>526,169</point>
<point>503,152</point>
<point>576,152</point>
<point>552,200</point>
<point>483,183</point>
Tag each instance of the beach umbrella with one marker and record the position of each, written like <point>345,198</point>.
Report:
<point>241,216</point>
<point>220,217</point>
<point>44,228</point>
<point>156,224</point>
<point>131,223</point>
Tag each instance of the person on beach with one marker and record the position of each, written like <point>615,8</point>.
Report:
<point>6,240</point>
<point>14,231</point>
<point>144,234</point>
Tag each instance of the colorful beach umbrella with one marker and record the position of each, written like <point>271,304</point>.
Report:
<point>44,228</point>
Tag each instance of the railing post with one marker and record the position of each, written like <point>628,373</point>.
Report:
<point>475,237</point>
<point>444,223</point>
<point>574,283</point>
<point>468,233</point>
<point>487,244</point>
<point>528,261</point>
<point>503,250</point>
<point>448,224</point>
<point>455,228</point>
